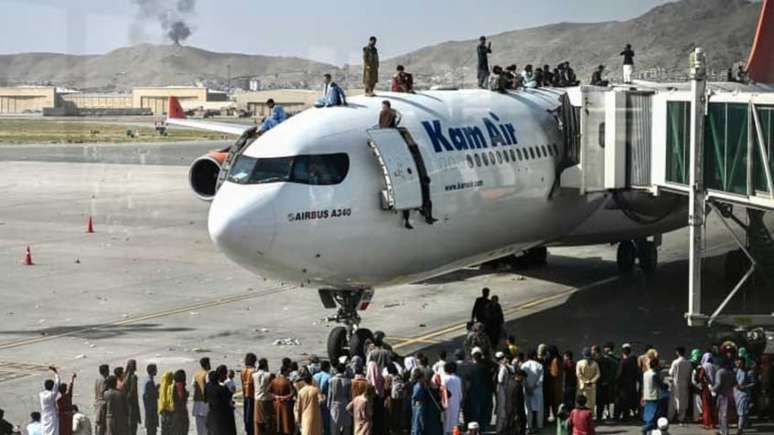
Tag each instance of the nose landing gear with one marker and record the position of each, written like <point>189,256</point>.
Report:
<point>629,252</point>
<point>348,339</point>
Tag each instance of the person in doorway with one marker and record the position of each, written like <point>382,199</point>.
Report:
<point>116,409</point>
<point>81,423</point>
<point>50,418</point>
<point>680,373</point>
<point>483,51</point>
<point>150,400</point>
<point>388,117</point>
<point>200,408</point>
<point>64,406</point>
<point>628,63</point>
<point>370,66</point>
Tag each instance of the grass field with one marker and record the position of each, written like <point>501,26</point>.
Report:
<point>26,131</point>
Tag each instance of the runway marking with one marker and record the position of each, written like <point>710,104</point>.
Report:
<point>426,339</point>
<point>10,370</point>
<point>213,303</point>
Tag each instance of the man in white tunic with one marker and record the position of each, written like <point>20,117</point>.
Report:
<point>680,373</point>
<point>534,392</point>
<point>49,419</point>
<point>453,385</point>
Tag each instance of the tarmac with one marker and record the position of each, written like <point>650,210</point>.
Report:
<point>149,285</point>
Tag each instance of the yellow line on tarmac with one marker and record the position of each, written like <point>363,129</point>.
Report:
<point>151,316</point>
<point>428,338</point>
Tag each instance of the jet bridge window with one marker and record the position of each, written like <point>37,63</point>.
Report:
<point>319,170</point>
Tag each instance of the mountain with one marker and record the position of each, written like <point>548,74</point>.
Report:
<point>154,65</point>
<point>662,39</point>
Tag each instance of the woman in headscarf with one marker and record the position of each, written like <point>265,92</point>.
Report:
<point>166,403</point>
<point>703,382</point>
<point>180,420</point>
<point>376,380</point>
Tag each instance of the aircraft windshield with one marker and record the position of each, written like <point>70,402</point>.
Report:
<point>319,170</point>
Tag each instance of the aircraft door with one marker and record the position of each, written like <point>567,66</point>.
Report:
<point>401,175</point>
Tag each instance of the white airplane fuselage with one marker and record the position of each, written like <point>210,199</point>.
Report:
<point>488,203</point>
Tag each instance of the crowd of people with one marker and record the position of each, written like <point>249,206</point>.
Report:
<point>487,385</point>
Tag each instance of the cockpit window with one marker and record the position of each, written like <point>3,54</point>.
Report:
<point>318,170</point>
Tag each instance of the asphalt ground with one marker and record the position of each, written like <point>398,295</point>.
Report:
<point>149,285</point>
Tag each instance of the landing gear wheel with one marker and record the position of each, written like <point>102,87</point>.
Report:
<point>627,255</point>
<point>337,344</point>
<point>648,256</point>
<point>538,256</point>
<point>359,341</point>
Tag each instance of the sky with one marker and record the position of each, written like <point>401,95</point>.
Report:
<point>330,31</point>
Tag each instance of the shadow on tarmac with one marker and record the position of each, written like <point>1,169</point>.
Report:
<point>94,332</point>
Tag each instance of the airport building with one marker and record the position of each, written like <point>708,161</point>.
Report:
<point>293,100</point>
<point>157,98</point>
<point>27,99</point>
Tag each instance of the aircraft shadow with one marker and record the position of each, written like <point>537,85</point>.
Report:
<point>96,331</point>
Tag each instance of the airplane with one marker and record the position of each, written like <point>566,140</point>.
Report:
<point>326,198</point>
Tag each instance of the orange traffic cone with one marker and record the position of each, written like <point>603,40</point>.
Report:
<point>90,226</point>
<point>28,258</point>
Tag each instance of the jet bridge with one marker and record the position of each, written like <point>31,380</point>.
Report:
<point>713,143</point>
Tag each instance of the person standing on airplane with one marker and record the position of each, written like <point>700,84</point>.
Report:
<point>483,51</point>
<point>370,66</point>
<point>628,63</point>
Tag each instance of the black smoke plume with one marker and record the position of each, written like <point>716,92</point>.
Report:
<point>171,15</point>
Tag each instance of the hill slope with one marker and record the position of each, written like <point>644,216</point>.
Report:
<point>662,38</point>
<point>147,64</point>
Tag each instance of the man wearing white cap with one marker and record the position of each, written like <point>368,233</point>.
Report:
<point>473,428</point>
<point>534,390</point>
<point>481,390</point>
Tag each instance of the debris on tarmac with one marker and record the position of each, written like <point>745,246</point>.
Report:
<point>200,350</point>
<point>287,342</point>
<point>81,356</point>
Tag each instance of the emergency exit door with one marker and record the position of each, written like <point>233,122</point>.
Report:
<point>402,179</point>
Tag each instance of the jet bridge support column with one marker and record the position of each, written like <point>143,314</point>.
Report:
<point>696,199</point>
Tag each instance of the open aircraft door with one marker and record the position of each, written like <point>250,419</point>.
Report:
<point>402,178</point>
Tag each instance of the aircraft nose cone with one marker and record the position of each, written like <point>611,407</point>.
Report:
<point>241,223</point>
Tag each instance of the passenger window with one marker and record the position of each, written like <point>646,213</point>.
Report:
<point>478,160</point>
<point>532,152</point>
<point>505,156</point>
<point>545,151</point>
<point>518,152</point>
<point>513,156</point>
<point>556,149</point>
<point>492,157</point>
<point>499,157</point>
<point>470,161</point>
<point>485,159</point>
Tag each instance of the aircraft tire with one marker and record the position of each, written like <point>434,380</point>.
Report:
<point>337,343</point>
<point>626,256</point>
<point>359,342</point>
<point>648,256</point>
<point>538,256</point>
